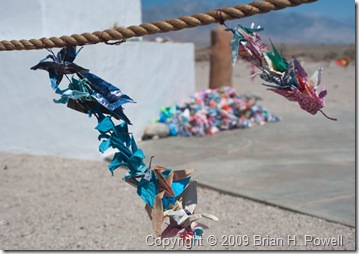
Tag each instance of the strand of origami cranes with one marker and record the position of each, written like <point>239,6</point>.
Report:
<point>287,78</point>
<point>169,194</point>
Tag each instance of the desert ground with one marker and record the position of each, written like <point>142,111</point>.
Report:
<point>50,203</point>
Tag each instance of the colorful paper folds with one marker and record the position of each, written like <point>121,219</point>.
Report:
<point>168,194</point>
<point>212,110</point>
<point>287,78</point>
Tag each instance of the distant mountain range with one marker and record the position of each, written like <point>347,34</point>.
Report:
<point>291,28</point>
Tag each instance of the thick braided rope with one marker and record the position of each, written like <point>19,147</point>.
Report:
<point>121,33</point>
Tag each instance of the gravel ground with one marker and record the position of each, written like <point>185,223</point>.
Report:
<point>50,203</point>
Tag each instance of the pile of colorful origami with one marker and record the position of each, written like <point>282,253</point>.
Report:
<point>214,110</point>
<point>287,78</point>
<point>169,194</point>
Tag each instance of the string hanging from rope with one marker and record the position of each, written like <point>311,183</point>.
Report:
<point>121,33</point>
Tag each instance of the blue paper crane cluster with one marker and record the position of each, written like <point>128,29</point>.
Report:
<point>89,92</point>
<point>162,189</point>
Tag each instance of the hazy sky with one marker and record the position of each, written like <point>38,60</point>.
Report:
<point>336,9</point>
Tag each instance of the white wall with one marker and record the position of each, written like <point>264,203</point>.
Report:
<point>32,19</point>
<point>153,74</point>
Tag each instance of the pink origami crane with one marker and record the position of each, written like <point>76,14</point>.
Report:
<point>306,94</point>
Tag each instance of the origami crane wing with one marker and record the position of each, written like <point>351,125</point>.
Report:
<point>315,80</point>
<point>60,68</point>
<point>57,70</point>
<point>278,62</point>
<point>71,94</point>
<point>164,182</point>
<point>108,96</point>
<point>189,201</point>
<point>240,33</point>
<point>111,96</point>
<point>288,93</point>
<point>67,54</point>
<point>183,217</point>
<point>156,214</point>
<point>86,106</point>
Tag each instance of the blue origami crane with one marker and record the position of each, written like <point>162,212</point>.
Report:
<point>89,93</point>
<point>108,96</point>
<point>119,138</point>
<point>60,65</point>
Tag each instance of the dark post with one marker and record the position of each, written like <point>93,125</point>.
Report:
<point>221,58</point>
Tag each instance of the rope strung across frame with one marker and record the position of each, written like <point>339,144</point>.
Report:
<point>121,33</point>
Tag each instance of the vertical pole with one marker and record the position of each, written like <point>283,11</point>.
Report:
<point>221,58</point>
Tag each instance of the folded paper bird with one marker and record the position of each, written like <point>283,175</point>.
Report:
<point>89,92</point>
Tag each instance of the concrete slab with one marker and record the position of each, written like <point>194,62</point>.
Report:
<point>304,163</point>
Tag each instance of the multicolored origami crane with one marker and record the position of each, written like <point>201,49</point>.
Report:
<point>182,216</point>
<point>288,79</point>
<point>162,189</point>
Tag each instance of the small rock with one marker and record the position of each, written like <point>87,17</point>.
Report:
<point>158,130</point>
